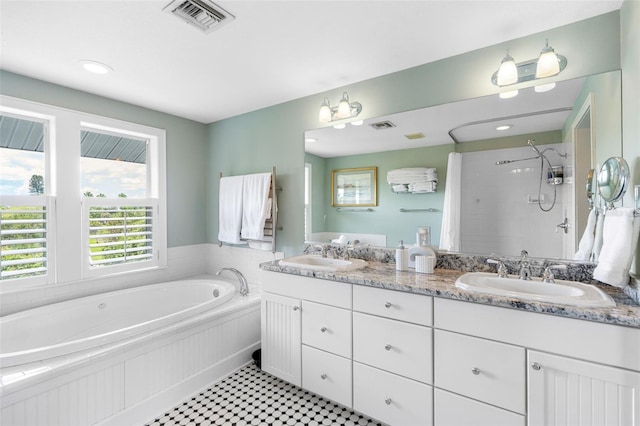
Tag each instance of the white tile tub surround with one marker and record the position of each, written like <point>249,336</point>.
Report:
<point>130,382</point>
<point>493,206</point>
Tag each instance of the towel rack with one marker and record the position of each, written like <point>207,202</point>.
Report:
<point>342,209</point>
<point>274,209</point>
<point>418,210</point>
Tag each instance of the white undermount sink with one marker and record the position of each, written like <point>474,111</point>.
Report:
<point>319,263</point>
<point>561,292</point>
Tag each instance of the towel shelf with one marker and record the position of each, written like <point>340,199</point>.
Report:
<point>271,223</point>
<point>418,210</point>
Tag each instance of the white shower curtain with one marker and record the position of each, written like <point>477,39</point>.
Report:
<point>450,234</point>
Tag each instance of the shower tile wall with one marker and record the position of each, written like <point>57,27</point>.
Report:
<point>495,204</point>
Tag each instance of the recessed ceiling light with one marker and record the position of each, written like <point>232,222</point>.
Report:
<point>340,126</point>
<point>509,94</point>
<point>311,140</point>
<point>357,123</point>
<point>95,67</point>
<point>504,127</point>
<point>544,87</point>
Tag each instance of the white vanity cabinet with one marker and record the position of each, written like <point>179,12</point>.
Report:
<point>570,372</point>
<point>392,356</point>
<point>306,334</point>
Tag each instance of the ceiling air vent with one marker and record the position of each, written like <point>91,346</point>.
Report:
<point>380,125</point>
<point>203,14</point>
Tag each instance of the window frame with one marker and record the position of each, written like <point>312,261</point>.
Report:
<point>62,186</point>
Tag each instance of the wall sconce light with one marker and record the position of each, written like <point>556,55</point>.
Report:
<point>546,65</point>
<point>345,109</point>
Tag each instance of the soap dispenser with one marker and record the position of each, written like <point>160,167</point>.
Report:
<point>402,257</point>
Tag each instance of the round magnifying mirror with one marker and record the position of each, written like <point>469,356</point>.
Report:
<point>613,178</point>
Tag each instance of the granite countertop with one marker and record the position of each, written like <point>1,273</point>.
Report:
<point>442,284</point>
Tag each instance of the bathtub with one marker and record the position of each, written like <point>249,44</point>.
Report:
<point>128,354</point>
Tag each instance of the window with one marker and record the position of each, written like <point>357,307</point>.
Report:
<point>90,187</point>
<point>26,211</point>
<point>119,212</point>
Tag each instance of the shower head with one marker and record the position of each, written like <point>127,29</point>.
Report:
<point>530,142</point>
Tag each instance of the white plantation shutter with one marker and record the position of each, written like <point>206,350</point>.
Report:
<point>26,248</point>
<point>118,233</point>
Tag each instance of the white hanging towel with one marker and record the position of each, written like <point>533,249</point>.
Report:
<point>255,205</point>
<point>620,237</point>
<point>450,234</point>
<point>230,209</point>
<point>588,237</point>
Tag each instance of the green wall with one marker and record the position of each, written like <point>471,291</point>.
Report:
<point>255,141</point>
<point>186,148</point>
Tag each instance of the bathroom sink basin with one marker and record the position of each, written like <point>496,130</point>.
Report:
<point>561,292</point>
<point>319,263</point>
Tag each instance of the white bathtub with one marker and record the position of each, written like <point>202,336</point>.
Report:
<point>75,325</point>
<point>127,354</point>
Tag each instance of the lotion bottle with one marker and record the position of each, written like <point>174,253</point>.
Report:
<point>402,257</point>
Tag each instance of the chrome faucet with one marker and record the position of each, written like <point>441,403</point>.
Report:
<point>547,276</point>
<point>323,248</point>
<point>525,271</point>
<point>244,287</point>
<point>502,268</point>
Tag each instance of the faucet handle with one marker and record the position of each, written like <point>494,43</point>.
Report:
<point>502,268</point>
<point>547,275</point>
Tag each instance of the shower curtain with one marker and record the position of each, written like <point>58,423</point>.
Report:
<point>450,235</point>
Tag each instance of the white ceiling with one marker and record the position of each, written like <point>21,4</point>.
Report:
<point>273,52</point>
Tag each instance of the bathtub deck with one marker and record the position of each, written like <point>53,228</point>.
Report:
<point>251,397</point>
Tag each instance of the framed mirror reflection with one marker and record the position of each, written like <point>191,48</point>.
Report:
<point>511,199</point>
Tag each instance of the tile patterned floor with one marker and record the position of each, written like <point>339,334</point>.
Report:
<point>252,397</point>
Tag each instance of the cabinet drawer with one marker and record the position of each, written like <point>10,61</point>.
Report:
<point>395,346</point>
<point>481,369</point>
<point>393,304</point>
<point>327,375</point>
<point>326,328</point>
<point>456,410</point>
<point>316,290</point>
<point>390,398</point>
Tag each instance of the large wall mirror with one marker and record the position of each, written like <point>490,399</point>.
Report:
<point>510,198</point>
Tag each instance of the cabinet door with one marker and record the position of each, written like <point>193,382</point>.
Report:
<point>281,337</point>
<point>565,391</point>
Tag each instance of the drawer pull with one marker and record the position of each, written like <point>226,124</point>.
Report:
<point>323,377</point>
<point>295,308</point>
<point>388,347</point>
<point>475,370</point>
<point>323,329</point>
<point>387,305</point>
<point>388,401</point>
<point>536,366</point>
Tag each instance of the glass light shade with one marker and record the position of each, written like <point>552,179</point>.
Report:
<point>344,109</point>
<point>325,112</point>
<point>548,64</point>
<point>508,71</point>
